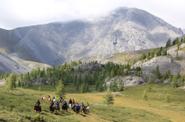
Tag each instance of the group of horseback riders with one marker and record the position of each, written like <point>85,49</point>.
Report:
<point>55,105</point>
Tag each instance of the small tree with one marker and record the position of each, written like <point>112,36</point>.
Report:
<point>60,88</point>
<point>167,98</point>
<point>143,56</point>
<point>168,43</point>
<point>145,96</point>
<point>84,87</point>
<point>178,47</point>
<point>109,98</point>
<point>11,81</point>
<point>121,87</point>
<point>174,82</point>
<point>114,86</point>
<point>176,41</point>
<point>157,73</point>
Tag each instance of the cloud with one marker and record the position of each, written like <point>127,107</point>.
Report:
<point>17,13</point>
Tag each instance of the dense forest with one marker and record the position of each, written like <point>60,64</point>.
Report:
<point>80,76</point>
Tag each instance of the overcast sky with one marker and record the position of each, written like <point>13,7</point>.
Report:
<point>18,13</point>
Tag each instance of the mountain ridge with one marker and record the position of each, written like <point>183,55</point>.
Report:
<point>59,42</point>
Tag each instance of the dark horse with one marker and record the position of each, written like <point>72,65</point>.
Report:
<point>76,108</point>
<point>65,105</point>
<point>37,106</point>
<point>54,106</point>
<point>85,109</point>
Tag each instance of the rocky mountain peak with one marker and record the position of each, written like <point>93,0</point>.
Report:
<point>125,29</point>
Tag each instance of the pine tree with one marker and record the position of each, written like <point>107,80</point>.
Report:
<point>176,41</point>
<point>178,47</point>
<point>143,56</point>
<point>60,88</point>
<point>11,82</point>
<point>114,86</point>
<point>168,43</point>
<point>174,82</point>
<point>145,96</point>
<point>157,73</point>
<point>109,98</point>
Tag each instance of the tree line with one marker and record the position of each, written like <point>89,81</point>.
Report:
<point>162,51</point>
<point>175,81</point>
<point>80,76</point>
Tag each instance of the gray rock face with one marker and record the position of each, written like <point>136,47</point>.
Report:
<point>10,63</point>
<point>183,31</point>
<point>165,63</point>
<point>125,81</point>
<point>125,29</point>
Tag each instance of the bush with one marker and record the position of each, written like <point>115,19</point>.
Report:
<point>11,82</point>
<point>60,88</point>
<point>167,98</point>
<point>109,98</point>
<point>149,89</point>
<point>145,96</point>
<point>114,86</point>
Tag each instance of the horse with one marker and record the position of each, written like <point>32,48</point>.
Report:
<point>46,98</point>
<point>54,106</point>
<point>65,105</point>
<point>70,103</point>
<point>85,109</point>
<point>76,108</point>
<point>51,107</point>
<point>37,106</point>
<point>37,109</point>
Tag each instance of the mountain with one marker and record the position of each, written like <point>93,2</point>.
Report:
<point>183,31</point>
<point>11,63</point>
<point>170,62</point>
<point>124,29</point>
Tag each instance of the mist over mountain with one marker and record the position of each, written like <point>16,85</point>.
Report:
<point>125,29</point>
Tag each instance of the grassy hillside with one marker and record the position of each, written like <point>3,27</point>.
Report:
<point>163,104</point>
<point>126,57</point>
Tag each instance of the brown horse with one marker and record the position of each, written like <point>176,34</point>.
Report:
<point>46,98</point>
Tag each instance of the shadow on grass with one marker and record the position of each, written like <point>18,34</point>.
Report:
<point>57,113</point>
<point>2,120</point>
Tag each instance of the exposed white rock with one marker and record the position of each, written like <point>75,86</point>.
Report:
<point>125,80</point>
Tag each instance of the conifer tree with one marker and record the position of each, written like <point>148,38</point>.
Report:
<point>60,88</point>
<point>11,82</point>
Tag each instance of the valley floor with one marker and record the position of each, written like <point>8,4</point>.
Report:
<point>163,104</point>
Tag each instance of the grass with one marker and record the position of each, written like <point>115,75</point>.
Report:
<point>124,58</point>
<point>125,114</point>
<point>129,106</point>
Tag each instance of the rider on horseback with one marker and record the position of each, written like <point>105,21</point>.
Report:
<point>51,107</point>
<point>37,106</point>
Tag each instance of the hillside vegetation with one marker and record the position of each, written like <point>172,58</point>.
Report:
<point>159,99</point>
<point>163,104</point>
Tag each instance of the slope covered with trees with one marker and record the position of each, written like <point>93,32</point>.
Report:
<point>82,77</point>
